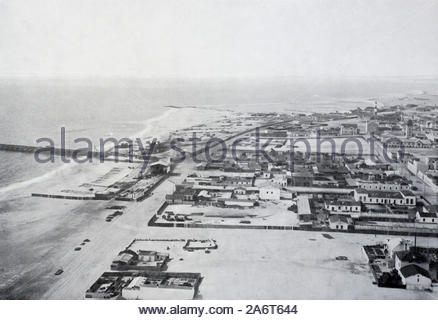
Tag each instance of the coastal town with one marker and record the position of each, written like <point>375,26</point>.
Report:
<point>218,159</point>
<point>370,172</point>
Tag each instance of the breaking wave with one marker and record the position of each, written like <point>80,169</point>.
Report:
<point>41,178</point>
<point>148,130</point>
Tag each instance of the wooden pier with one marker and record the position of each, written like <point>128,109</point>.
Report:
<point>68,153</point>
<point>55,151</point>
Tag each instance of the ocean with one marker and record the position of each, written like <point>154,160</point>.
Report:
<point>36,108</point>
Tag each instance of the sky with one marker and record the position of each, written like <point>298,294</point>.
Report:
<point>216,39</point>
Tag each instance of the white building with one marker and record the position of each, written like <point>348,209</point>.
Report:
<point>339,222</point>
<point>397,244</point>
<point>405,258</point>
<point>427,217</point>
<point>399,198</point>
<point>349,207</point>
<point>349,129</point>
<point>279,179</point>
<point>304,211</point>
<point>265,175</point>
<point>383,186</point>
<point>238,181</point>
<point>145,288</point>
<point>415,277</point>
<point>239,191</point>
<point>410,143</point>
<point>269,193</point>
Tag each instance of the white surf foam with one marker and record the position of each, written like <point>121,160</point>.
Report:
<point>148,130</point>
<point>41,178</point>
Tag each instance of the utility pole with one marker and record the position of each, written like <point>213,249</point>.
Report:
<point>415,237</point>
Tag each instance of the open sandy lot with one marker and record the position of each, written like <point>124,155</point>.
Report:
<point>267,213</point>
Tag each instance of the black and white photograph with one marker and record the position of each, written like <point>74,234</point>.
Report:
<point>192,151</point>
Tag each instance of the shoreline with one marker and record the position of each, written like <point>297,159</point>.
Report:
<point>37,232</point>
<point>150,125</point>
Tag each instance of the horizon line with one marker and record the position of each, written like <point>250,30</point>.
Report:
<point>230,77</point>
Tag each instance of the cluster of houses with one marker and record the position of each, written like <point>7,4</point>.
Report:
<point>381,203</point>
<point>424,167</point>
<point>362,195</point>
<point>375,199</point>
<point>232,184</point>
<point>141,274</point>
<point>414,127</point>
<point>145,285</point>
<point>223,192</point>
<point>400,263</point>
<point>411,130</point>
<point>136,185</point>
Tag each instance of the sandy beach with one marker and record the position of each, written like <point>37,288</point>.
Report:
<point>38,235</point>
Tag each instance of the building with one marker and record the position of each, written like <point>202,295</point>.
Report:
<point>384,185</point>
<point>328,132</point>
<point>372,127</point>
<point>269,193</point>
<point>409,197</point>
<point>415,277</point>
<point>265,174</point>
<point>279,179</point>
<point>343,207</point>
<point>108,286</point>
<point>398,198</point>
<point>239,191</point>
<point>124,258</point>
<point>213,195</point>
<point>160,167</point>
<point>238,181</point>
<point>305,214</point>
<point>427,217</point>
<point>408,143</point>
<point>163,286</point>
<point>301,179</point>
<point>409,129</point>
<point>397,244</point>
<point>142,260</point>
<point>349,129</point>
<point>404,258</point>
<point>432,163</point>
<point>340,222</point>
<point>182,194</point>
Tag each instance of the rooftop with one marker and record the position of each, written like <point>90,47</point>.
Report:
<point>384,194</point>
<point>427,214</point>
<point>303,205</point>
<point>161,162</point>
<point>346,202</point>
<point>349,125</point>
<point>413,269</point>
<point>407,193</point>
<point>409,256</point>
<point>340,218</point>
